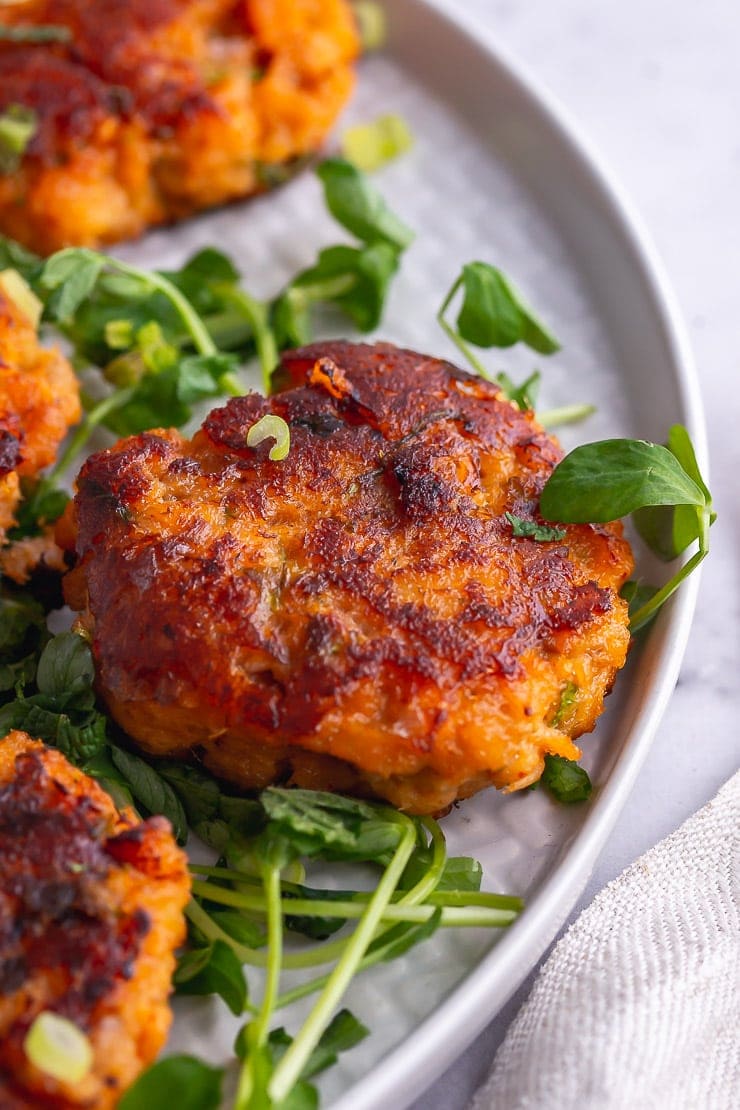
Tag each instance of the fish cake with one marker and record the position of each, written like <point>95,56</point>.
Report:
<point>91,911</point>
<point>156,109</point>
<point>359,616</point>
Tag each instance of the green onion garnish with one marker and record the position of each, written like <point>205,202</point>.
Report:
<point>371,145</point>
<point>371,23</point>
<point>17,127</point>
<point>271,427</point>
<point>20,293</point>
<point>58,1048</point>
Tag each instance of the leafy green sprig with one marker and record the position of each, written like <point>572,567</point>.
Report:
<point>494,313</point>
<point>244,908</point>
<point>662,486</point>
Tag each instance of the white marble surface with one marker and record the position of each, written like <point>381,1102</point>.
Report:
<point>655,86</point>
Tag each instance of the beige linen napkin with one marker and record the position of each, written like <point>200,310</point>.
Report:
<point>638,1006</point>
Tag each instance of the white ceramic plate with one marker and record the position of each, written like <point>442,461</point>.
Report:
<point>495,174</point>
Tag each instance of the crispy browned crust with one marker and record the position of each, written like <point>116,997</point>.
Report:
<point>357,616</point>
<point>158,108</point>
<point>39,401</point>
<point>91,905</point>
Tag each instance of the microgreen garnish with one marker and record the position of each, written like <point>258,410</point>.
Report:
<point>493,314</point>
<point>241,914</point>
<point>610,479</point>
<point>18,125</point>
<point>524,395</point>
<point>271,427</point>
<point>530,529</point>
<point>371,21</point>
<point>369,146</point>
<point>357,205</point>
<point>36,33</point>
<point>568,698</point>
<point>566,780</point>
<point>181,1081</point>
<point>59,1048</point>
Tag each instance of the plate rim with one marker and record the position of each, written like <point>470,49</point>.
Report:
<point>413,1066</point>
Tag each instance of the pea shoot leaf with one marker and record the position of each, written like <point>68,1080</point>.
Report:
<point>524,395</point>
<point>610,479</point>
<point>357,205</point>
<point>181,1081</point>
<point>566,780</point>
<point>494,313</point>
<point>151,790</point>
<point>213,970</point>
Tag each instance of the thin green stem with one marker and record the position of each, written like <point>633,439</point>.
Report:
<point>190,318</point>
<point>455,336</point>
<point>85,429</point>
<point>256,314</point>
<point>647,611</point>
<point>566,414</point>
<point>261,1026</point>
<point>394,912</point>
<point>291,1065</point>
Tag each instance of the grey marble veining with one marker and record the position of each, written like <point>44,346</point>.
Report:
<point>655,86</point>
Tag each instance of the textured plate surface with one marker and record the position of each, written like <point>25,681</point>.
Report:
<point>494,174</point>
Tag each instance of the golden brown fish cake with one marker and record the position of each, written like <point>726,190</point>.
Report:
<point>357,616</point>
<point>156,109</point>
<point>91,910</point>
<point>39,401</point>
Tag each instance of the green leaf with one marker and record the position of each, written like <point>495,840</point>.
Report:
<point>670,530</point>
<point>318,928</point>
<point>214,833</point>
<point>42,504</point>
<point>461,873</point>
<point>401,938</point>
<point>201,376</point>
<point>530,529</point>
<point>244,815</point>
<point>180,1081</point>
<point>14,256</point>
<point>356,279</point>
<point>198,792</point>
<point>213,970</point>
<point>72,273</point>
<point>357,205</point>
<point>494,313</point>
<point>607,480</point>
<point>22,621</point>
<point>343,1032</point>
<point>318,823</point>
<point>524,395</point>
<point>66,670</point>
<point>239,928</point>
<point>566,780</point>
<point>151,790</point>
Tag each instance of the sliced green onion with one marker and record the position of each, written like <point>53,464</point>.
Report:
<point>36,32</point>
<point>58,1048</point>
<point>371,23</point>
<point>119,334</point>
<point>18,126</point>
<point>271,427</point>
<point>370,145</point>
<point>21,294</point>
